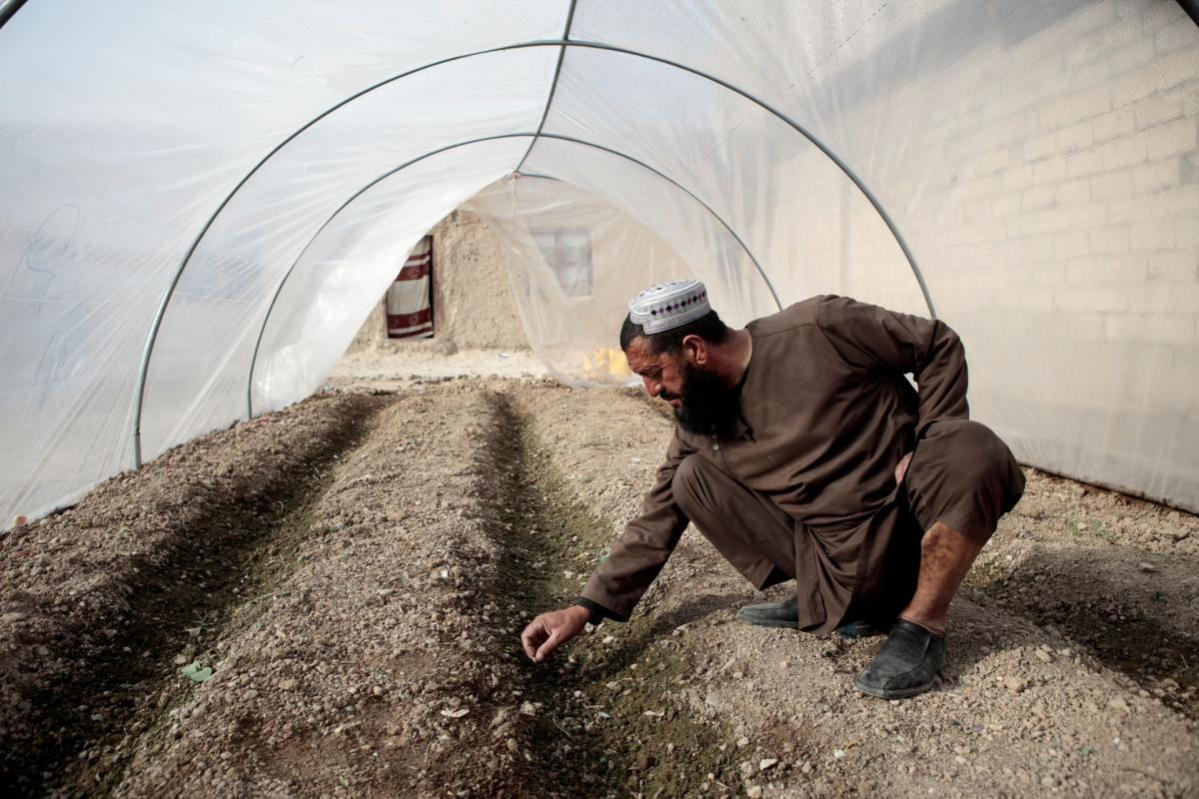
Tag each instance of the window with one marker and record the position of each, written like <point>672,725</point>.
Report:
<point>568,253</point>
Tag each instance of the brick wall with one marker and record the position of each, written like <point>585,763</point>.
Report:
<point>1050,189</point>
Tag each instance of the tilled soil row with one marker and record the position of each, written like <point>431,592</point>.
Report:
<point>606,719</point>
<point>387,662</point>
<point>372,670</point>
<point>96,601</point>
<point>361,625</point>
<point>1026,707</point>
<point>1116,575</point>
<point>354,629</point>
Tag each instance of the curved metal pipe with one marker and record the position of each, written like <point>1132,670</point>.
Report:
<point>156,325</point>
<point>8,9</point>
<point>549,101</point>
<point>279,289</point>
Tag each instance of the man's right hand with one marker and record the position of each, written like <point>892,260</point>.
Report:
<point>549,631</point>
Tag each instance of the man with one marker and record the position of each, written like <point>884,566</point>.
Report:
<point>803,452</point>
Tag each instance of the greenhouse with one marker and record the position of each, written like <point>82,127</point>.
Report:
<point>203,204</point>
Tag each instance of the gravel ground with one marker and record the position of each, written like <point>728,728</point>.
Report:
<point>355,571</point>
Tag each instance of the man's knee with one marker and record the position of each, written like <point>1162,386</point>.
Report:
<point>965,476</point>
<point>981,455</point>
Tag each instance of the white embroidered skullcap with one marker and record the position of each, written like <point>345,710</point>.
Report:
<point>668,305</point>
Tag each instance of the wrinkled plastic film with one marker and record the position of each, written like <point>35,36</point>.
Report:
<point>343,273</point>
<point>572,256</point>
<point>127,127</point>
<point>233,274</point>
<point>700,237</point>
<point>760,175</point>
<point>1035,156</point>
<point>1039,159</point>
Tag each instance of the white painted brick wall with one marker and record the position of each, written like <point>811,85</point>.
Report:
<point>1057,218</point>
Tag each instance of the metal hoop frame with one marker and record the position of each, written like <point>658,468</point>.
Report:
<point>391,172</point>
<point>156,324</point>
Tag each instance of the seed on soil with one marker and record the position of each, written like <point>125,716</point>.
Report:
<point>1014,684</point>
<point>767,762</point>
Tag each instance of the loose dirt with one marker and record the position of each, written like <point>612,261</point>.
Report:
<point>355,572</point>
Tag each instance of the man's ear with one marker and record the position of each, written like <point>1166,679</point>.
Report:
<point>695,349</point>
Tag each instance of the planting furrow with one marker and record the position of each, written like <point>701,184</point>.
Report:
<point>370,669</point>
<point>100,601</point>
<point>607,717</point>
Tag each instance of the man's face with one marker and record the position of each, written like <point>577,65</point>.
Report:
<point>702,403</point>
<point>662,373</point>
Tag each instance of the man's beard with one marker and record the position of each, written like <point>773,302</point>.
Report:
<point>709,406</point>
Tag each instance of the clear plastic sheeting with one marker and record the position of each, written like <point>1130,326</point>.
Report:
<point>759,174</point>
<point>1039,159</point>
<point>682,222</point>
<point>124,126</point>
<point>261,232</point>
<point>572,257</point>
<point>349,265</point>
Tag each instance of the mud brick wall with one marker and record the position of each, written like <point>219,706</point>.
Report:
<point>473,305</point>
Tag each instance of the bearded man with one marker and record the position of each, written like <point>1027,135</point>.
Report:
<point>802,452</point>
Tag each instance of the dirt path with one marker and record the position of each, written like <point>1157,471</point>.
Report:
<point>355,572</point>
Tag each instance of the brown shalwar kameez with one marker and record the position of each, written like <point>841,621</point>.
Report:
<point>805,483</point>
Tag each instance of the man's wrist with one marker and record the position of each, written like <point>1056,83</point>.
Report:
<point>595,612</point>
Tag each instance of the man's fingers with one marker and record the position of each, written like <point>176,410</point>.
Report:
<point>549,646</point>
<point>533,635</point>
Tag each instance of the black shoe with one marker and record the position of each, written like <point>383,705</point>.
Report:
<point>772,614</point>
<point>860,629</point>
<point>907,664</point>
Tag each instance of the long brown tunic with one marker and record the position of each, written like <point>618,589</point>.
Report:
<point>827,415</point>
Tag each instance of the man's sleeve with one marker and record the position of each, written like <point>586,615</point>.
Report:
<point>642,549</point>
<point>878,340</point>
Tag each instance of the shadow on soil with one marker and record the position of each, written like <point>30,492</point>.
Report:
<point>1078,594</point>
<point>605,723</point>
<point>125,677</point>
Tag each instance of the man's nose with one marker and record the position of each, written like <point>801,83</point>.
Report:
<point>652,387</point>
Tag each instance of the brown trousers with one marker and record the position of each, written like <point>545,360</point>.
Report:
<point>961,474</point>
